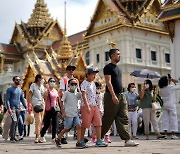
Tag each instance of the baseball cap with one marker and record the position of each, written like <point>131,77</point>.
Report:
<point>70,67</point>
<point>91,70</point>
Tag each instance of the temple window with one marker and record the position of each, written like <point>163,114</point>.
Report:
<point>106,55</point>
<point>153,55</point>
<point>167,57</point>
<point>87,56</point>
<point>138,53</point>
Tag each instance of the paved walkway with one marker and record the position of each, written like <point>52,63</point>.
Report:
<point>152,146</point>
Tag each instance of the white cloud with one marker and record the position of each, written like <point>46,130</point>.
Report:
<point>78,14</point>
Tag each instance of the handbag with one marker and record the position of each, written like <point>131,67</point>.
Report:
<point>29,119</point>
<point>38,108</point>
<point>53,108</point>
<point>156,106</point>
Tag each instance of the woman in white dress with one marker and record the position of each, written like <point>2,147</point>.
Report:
<point>168,87</point>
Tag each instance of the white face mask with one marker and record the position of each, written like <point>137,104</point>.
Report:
<point>146,86</point>
<point>98,90</point>
<point>133,89</point>
<point>52,84</point>
<point>42,81</point>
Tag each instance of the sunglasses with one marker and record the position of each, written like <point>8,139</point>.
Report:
<point>73,84</point>
<point>98,88</point>
<point>52,81</point>
<point>17,79</point>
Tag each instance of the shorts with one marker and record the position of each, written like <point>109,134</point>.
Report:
<point>93,118</point>
<point>70,122</point>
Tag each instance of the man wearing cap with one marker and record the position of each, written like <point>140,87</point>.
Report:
<point>115,105</point>
<point>63,87</point>
<point>90,113</point>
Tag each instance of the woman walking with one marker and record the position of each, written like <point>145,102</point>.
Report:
<point>36,98</point>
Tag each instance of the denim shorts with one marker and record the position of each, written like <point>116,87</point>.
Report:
<point>70,122</point>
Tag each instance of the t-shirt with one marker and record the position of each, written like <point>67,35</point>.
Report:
<point>90,89</point>
<point>146,101</point>
<point>100,102</point>
<point>37,94</point>
<point>62,84</point>
<point>116,77</point>
<point>14,96</point>
<point>70,101</point>
<point>53,96</point>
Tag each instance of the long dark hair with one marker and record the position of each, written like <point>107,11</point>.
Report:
<point>150,84</point>
<point>38,76</point>
<point>129,86</point>
<point>163,82</point>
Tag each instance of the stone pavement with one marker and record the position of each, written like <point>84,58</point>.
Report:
<point>152,146</point>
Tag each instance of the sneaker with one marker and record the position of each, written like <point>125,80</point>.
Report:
<point>107,139</point>
<point>13,141</point>
<point>84,144</point>
<point>93,139</point>
<point>53,140</point>
<point>174,137</point>
<point>36,140</point>
<point>86,140</point>
<point>131,143</point>
<point>64,141</point>
<point>42,140</point>
<point>80,145</point>
<point>58,142</point>
<point>135,137</point>
<point>101,143</point>
<point>20,138</point>
<point>161,136</point>
<point>165,137</point>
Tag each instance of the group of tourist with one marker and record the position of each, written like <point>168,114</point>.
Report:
<point>83,106</point>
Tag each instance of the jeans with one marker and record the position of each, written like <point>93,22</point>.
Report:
<point>21,122</point>
<point>47,120</point>
<point>14,124</point>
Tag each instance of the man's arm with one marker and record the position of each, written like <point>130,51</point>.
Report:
<point>8,101</point>
<point>111,90</point>
<point>23,100</point>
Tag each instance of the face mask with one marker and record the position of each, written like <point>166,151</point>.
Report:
<point>98,90</point>
<point>133,89</point>
<point>146,86</point>
<point>42,81</point>
<point>73,88</point>
<point>52,84</point>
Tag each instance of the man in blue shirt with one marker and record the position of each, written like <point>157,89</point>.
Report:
<point>14,96</point>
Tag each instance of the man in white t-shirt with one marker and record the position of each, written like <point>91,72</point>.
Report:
<point>63,87</point>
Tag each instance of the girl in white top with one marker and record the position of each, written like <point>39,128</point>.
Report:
<point>169,115</point>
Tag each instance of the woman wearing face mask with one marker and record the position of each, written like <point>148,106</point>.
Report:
<point>132,97</point>
<point>36,97</point>
<point>147,97</point>
<point>51,100</point>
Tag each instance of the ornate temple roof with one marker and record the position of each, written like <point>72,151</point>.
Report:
<point>112,14</point>
<point>40,16</point>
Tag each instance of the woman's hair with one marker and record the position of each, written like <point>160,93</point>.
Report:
<point>51,79</point>
<point>98,84</point>
<point>38,76</point>
<point>163,82</point>
<point>129,86</point>
<point>150,84</point>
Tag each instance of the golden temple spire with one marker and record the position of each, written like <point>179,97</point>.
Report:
<point>40,16</point>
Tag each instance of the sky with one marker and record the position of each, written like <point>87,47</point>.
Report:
<point>79,13</point>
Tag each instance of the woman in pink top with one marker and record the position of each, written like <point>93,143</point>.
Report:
<point>51,100</point>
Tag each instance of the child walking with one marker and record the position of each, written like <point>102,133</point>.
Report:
<point>69,109</point>
<point>89,109</point>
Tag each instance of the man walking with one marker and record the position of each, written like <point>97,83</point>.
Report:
<point>115,105</point>
<point>14,96</point>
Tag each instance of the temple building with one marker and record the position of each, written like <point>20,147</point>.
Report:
<point>30,51</point>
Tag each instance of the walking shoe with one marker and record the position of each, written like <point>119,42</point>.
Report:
<point>84,144</point>
<point>135,137</point>
<point>93,139</point>
<point>42,140</point>
<point>101,143</point>
<point>79,145</point>
<point>13,140</point>
<point>131,143</point>
<point>174,137</point>
<point>64,141</point>
<point>53,140</point>
<point>107,139</point>
<point>20,138</point>
<point>58,142</point>
<point>161,136</point>
<point>165,137</point>
<point>36,140</point>
<point>86,140</point>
